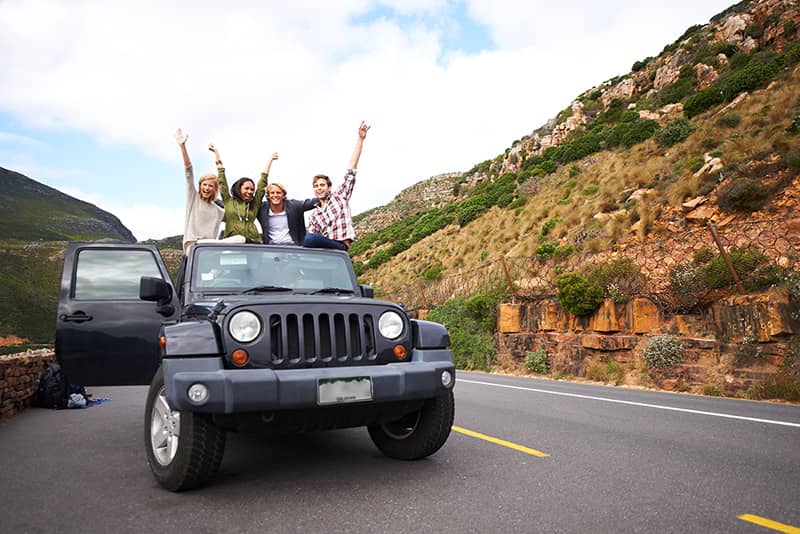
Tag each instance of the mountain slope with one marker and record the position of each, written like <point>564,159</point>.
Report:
<point>35,222</point>
<point>715,117</point>
<point>32,211</point>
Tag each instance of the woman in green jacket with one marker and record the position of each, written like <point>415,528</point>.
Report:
<point>242,202</point>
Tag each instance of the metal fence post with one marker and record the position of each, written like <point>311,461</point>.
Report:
<point>725,257</point>
<point>422,292</point>
<point>510,283</point>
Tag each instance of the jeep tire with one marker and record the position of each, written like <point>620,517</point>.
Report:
<point>418,434</point>
<point>184,449</point>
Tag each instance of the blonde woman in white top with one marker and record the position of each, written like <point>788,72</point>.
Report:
<point>203,214</point>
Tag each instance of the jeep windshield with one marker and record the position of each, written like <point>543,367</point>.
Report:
<point>256,269</point>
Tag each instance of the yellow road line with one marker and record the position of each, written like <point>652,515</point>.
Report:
<point>769,523</point>
<point>502,442</point>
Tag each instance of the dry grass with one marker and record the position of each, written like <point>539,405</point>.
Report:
<point>516,233</point>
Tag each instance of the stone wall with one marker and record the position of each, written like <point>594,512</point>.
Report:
<point>19,377</point>
<point>713,341</point>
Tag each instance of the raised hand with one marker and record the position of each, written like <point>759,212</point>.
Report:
<point>362,130</point>
<point>181,137</point>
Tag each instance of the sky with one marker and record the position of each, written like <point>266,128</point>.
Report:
<point>91,92</point>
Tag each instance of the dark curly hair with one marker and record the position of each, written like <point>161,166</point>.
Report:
<point>236,188</point>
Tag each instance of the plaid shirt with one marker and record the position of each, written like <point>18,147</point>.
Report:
<point>334,220</point>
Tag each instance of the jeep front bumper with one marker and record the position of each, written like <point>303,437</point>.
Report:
<point>251,390</point>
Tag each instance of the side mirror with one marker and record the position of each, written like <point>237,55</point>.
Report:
<point>154,289</point>
<point>157,290</point>
<point>367,291</point>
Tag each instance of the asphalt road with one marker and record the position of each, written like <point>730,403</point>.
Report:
<point>618,460</point>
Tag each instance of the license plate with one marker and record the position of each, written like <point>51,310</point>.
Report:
<point>342,390</point>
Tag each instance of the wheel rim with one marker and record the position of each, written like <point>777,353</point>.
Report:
<point>165,427</point>
<point>403,427</point>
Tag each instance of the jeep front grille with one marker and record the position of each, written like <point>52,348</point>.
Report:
<point>323,338</point>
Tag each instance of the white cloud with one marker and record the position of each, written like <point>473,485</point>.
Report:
<point>6,137</point>
<point>144,220</point>
<point>298,77</point>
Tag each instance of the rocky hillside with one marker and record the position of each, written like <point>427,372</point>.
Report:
<point>707,131</point>
<point>32,211</point>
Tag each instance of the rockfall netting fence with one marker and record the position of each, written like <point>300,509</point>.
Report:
<point>679,271</point>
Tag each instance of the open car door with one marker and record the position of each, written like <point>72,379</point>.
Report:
<point>105,334</point>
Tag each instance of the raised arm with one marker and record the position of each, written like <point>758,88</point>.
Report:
<point>181,137</point>
<point>217,159</point>
<point>221,180</point>
<point>269,163</point>
<point>362,134</point>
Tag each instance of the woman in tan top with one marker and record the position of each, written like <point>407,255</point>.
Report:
<point>203,215</point>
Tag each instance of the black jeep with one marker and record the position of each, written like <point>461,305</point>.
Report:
<point>282,337</point>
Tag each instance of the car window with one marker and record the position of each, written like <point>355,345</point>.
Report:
<point>104,274</point>
<point>248,267</point>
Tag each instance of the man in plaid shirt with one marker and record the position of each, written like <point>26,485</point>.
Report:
<point>331,225</point>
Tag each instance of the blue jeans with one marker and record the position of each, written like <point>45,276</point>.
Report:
<point>320,241</point>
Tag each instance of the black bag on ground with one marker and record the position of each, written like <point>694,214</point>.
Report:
<point>53,389</point>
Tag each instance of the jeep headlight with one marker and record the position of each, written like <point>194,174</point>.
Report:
<point>244,326</point>
<point>390,325</point>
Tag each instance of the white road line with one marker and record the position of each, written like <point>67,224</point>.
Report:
<point>631,403</point>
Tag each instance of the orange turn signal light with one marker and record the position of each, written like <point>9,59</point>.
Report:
<point>240,357</point>
<point>399,352</point>
<point>162,341</point>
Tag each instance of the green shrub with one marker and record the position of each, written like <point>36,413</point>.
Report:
<point>547,226</point>
<point>518,203</point>
<point>724,47</point>
<point>710,143</point>
<point>779,387</point>
<point>545,250</point>
<point>729,120</point>
<point>621,279</point>
<point>606,371</point>
<point>482,307</point>
<point>702,100</point>
<point>791,358</point>
<point>702,256</point>
<point>472,346</point>
<point>789,29</point>
<point>749,77</point>
<point>639,65</point>
<point>578,295</point>
<point>536,362</point>
<point>635,132</point>
<point>742,194</point>
<point>674,132</point>
<point>472,207</point>
<point>564,250</point>
<point>590,189</point>
<point>754,269</point>
<point>792,159</point>
<point>433,272</point>
<point>687,286</point>
<point>379,258</point>
<point>695,163</point>
<point>711,391</point>
<point>663,351</point>
<point>794,126</point>
<point>675,92</point>
<point>755,30</point>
